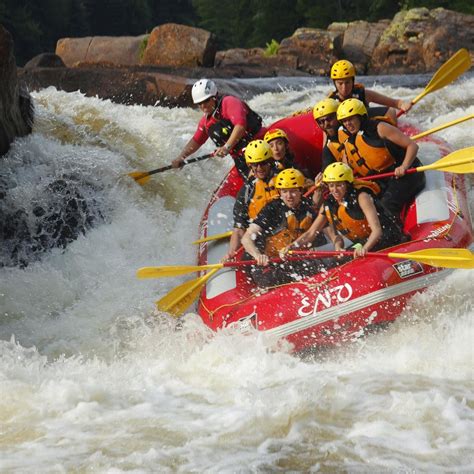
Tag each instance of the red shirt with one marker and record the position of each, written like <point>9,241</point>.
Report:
<point>232,109</point>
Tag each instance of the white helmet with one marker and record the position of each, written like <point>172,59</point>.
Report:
<point>202,90</point>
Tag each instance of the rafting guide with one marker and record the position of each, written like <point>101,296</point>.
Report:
<point>227,120</point>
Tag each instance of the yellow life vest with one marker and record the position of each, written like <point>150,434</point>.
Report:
<point>288,232</point>
<point>263,194</point>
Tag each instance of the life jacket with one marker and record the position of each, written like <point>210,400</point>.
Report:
<point>259,195</point>
<point>336,145</point>
<point>368,154</point>
<point>349,219</point>
<point>358,92</point>
<point>219,129</point>
<point>287,232</point>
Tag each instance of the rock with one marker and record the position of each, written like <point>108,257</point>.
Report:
<point>45,60</point>
<point>121,85</point>
<point>179,46</point>
<point>16,106</point>
<point>313,49</point>
<point>256,56</point>
<point>62,210</point>
<point>117,50</point>
<point>359,41</point>
<point>420,40</point>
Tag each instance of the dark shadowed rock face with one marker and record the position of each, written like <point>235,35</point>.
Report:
<point>16,109</point>
<point>63,210</point>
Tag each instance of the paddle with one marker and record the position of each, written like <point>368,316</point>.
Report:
<point>142,177</point>
<point>177,270</point>
<point>447,73</point>
<point>213,237</point>
<point>180,298</point>
<point>441,257</point>
<point>460,162</point>
<point>449,258</point>
<point>442,127</point>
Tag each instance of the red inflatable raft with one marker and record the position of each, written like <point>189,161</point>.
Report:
<point>347,301</point>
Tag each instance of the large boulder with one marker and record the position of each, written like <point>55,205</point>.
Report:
<point>117,50</point>
<point>420,40</point>
<point>180,46</point>
<point>16,106</point>
<point>359,42</point>
<point>313,48</point>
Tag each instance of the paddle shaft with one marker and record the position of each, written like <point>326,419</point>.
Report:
<point>454,163</point>
<point>185,162</point>
<point>442,127</point>
<point>246,263</point>
<point>449,71</point>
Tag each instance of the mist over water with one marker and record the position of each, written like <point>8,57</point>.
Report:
<point>93,378</point>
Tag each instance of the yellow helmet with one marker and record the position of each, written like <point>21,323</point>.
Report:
<point>325,107</point>
<point>257,151</point>
<point>342,69</point>
<point>349,108</point>
<point>289,178</point>
<point>338,171</point>
<point>275,133</point>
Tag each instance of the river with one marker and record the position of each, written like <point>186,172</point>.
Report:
<point>92,379</point>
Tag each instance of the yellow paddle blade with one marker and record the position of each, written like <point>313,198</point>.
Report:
<point>447,258</point>
<point>174,270</point>
<point>141,177</point>
<point>460,161</point>
<point>213,237</point>
<point>447,73</point>
<point>180,298</point>
<point>442,127</point>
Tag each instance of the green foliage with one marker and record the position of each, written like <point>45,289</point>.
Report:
<point>271,48</point>
<point>142,46</point>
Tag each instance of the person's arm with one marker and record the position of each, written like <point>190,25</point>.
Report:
<point>190,147</point>
<point>234,244</point>
<point>248,241</point>
<point>393,134</point>
<point>237,133</point>
<point>367,205</point>
<point>372,96</point>
<point>306,239</point>
<point>234,110</point>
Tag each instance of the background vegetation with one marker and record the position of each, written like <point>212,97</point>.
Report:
<point>36,25</point>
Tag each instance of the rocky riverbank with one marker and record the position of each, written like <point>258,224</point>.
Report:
<point>160,68</point>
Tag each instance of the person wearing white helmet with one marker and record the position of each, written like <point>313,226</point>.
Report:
<point>227,120</point>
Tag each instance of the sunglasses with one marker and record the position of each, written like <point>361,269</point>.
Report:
<point>326,118</point>
<point>261,164</point>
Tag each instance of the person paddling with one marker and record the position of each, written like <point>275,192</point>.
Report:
<point>351,211</point>
<point>258,190</point>
<point>277,225</point>
<point>227,120</point>
<point>343,75</point>
<point>374,147</point>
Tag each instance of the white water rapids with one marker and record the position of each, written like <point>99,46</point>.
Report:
<point>93,380</point>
